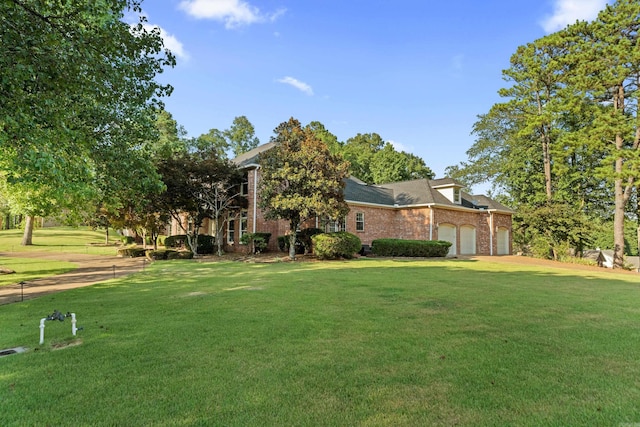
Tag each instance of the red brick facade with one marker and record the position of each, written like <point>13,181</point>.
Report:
<point>472,231</point>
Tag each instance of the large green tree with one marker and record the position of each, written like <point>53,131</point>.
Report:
<point>301,179</point>
<point>604,56</point>
<point>567,140</point>
<point>241,136</point>
<point>78,98</point>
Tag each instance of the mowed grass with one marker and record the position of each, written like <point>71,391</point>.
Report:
<point>31,268</point>
<point>80,240</point>
<point>366,342</point>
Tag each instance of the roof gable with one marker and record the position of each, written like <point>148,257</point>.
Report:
<point>415,192</point>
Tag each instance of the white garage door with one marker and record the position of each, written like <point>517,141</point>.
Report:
<point>503,241</point>
<point>467,240</point>
<point>448,233</point>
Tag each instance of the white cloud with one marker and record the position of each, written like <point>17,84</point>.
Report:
<point>566,12</point>
<point>398,146</point>
<point>234,13</point>
<point>170,42</point>
<point>297,84</point>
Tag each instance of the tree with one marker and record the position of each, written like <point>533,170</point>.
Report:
<point>569,133</point>
<point>377,162</point>
<point>241,136</point>
<point>220,190</point>
<point>213,141</point>
<point>605,60</point>
<point>77,99</point>
<point>301,179</point>
<point>334,146</point>
<point>389,165</point>
<point>359,152</point>
<point>180,175</point>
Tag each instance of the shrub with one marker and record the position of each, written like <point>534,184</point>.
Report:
<point>160,254</point>
<point>258,242</point>
<point>205,242</point>
<point>410,248</point>
<point>127,240</point>
<point>336,245</point>
<point>283,245</point>
<point>131,252</point>
<point>180,255</point>
<point>304,242</point>
<point>176,241</point>
<point>305,238</point>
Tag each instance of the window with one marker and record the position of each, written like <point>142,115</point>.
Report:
<point>231,231</point>
<point>360,221</point>
<point>244,220</point>
<point>456,195</point>
<point>244,187</point>
<point>331,226</point>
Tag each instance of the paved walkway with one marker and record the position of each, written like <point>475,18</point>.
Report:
<point>91,269</point>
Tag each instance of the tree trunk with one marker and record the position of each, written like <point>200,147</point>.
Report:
<point>27,237</point>
<point>292,240</point>
<point>106,236</point>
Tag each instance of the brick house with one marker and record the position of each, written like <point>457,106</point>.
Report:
<point>419,209</point>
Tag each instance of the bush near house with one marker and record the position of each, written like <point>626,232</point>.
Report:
<point>165,254</point>
<point>205,242</point>
<point>303,241</point>
<point>131,252</point>
<point>336,245</point>
<point>175,241</point>
<point>410,248</point>
<point>127,240</point>
<point>257,242</point>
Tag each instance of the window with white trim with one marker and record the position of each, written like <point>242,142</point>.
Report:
<point>456,196</point>
<point>244,187</point>
<point>231,231</point>
<point>360,221</point>
<point>332,226</point>
<point>244,221</point>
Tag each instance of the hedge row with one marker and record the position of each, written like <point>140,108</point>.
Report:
<point>258,241</point>
<point>205,243</point>
<point>160,254</point>
<point>336,245</point>
<point>303,240</point>
<point>163,254</point>
<point>131,252</point>
<point>410,248</point>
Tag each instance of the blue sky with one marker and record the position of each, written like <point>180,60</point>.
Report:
<point>417,72</point>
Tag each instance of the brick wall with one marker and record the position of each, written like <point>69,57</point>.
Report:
<point>383,222</point>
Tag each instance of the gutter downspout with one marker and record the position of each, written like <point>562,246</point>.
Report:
<point>255,197</point>
<point>431,223</point>
<point>491,233</point>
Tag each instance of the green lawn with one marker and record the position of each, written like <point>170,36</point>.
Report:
<point>366,342</point>
<point>31,268</point>
<point>81,240</point>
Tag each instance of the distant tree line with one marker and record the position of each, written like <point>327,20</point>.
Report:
<point>563,149</point>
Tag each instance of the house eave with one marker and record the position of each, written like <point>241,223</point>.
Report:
<point>428,206</point>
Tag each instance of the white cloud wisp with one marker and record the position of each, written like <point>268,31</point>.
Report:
<point>234,13</point>
<point>301,86</point>
<point>566,12</point>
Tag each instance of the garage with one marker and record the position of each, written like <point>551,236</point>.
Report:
<point>447,232</point>
<point>467,240</point>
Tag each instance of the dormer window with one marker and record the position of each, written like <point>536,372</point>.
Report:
<point>457,199</point>
<point>451,190</point>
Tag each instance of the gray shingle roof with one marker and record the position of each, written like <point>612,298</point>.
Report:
<point>251,156</point>
<point>406,193</point>
<point>416,192</point>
